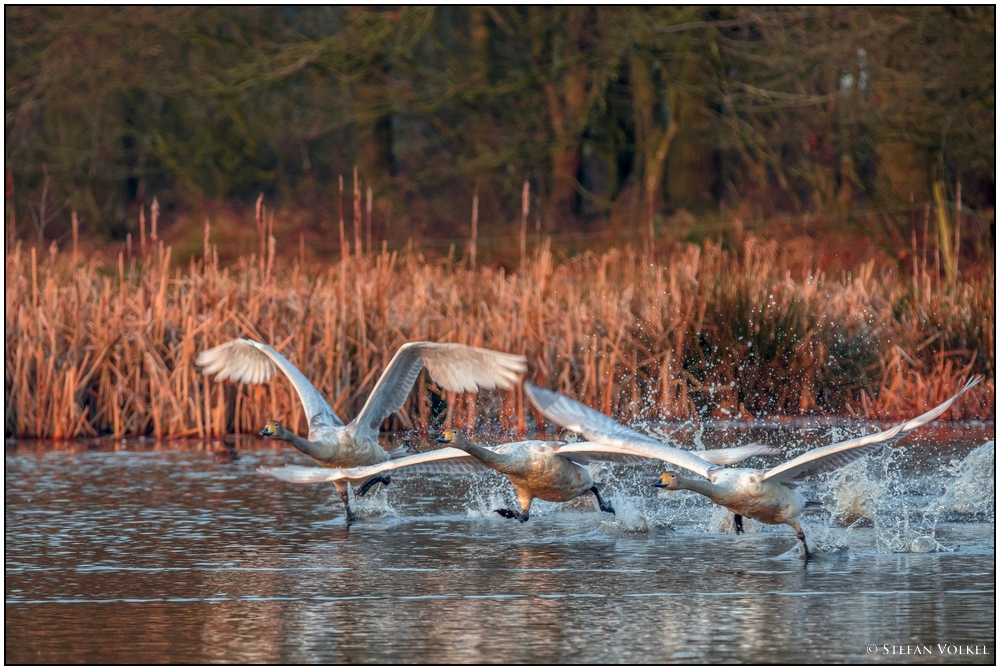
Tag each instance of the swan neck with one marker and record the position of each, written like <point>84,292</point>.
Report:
<point>702,486</point>
<point>308,448</point>
<point>487,456</point>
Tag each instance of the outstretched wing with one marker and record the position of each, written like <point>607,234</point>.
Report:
<point>825,459</point>
<point>640,451</point>
<point>614,437</point>
<point>251,362</point>
<point>455,367</point>
<point>733,455</point>
<point>447,459</point>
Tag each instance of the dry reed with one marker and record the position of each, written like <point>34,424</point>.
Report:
<point>93,350</point>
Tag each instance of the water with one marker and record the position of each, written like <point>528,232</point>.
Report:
<point>162,554</point>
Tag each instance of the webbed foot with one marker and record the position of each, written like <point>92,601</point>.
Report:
<point>738,522</point>
<point>511,514</point>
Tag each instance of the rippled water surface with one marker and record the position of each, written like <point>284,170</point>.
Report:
<point>161,553</point>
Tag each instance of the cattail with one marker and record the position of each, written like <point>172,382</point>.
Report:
<point>344,251</point>
<point>958,223</point>
<point>154,216</point>
<point>142,230</point>
<point>76,237</point>
<point>475,226</point>
<point>206,247</point>
<point>261,232</point>
<point>368,219</point>
<point>270,258</point>
<point>525,199</point>
<point>357,214</point>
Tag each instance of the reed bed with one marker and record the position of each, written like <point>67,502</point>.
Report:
<point>702,333</point>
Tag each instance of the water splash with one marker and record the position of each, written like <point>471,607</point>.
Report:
<point>853,495</point>
<point>972,490</point>
<point>905,510</point>
<point>486,494</point>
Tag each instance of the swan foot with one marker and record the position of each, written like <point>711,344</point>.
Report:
<point>378,479</point>
<point>738,522</point>
<point>511,514</point>
<point>604,504</point>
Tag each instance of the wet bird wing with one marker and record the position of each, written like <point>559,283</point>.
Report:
<point>251,362</point>
<point>640,451</point>
<point>614,438</point>
<point>447,459</point>
<point>455,367</point>
<point>825,459</point>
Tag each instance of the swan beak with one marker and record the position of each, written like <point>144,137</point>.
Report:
<point>266,431</point>
<point>442,439</point>
<point>659,484</point>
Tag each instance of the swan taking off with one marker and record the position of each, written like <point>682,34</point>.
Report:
<point>455,367</point>
<point>766,495</point>
<point>547,470</point>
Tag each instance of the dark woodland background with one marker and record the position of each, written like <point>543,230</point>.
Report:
<point>621,119</point>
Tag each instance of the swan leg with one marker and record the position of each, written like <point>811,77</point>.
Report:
<point>802,536</point>
<point>351,516</point>
<point>738,522</point>
<point>604,504</point>
<point>378,479</point>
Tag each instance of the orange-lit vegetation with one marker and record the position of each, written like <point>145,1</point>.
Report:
<point>94,349</point>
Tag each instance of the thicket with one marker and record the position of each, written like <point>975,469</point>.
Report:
<point>702,332</point>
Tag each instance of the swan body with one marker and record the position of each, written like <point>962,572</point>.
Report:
<point>547,470</point>
<point>535,468</point>
<point>455,367</point>
<point>769,496</point>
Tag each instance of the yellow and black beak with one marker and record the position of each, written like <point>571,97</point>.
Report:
<point>663,481</point>
<point>446,437</point>
<point>267,430</point>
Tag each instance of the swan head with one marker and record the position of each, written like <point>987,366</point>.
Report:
<point>271,429</point>
<point>447,436</point>
<point>668,480</point>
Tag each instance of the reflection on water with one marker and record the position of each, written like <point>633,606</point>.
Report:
<point>168,555</point>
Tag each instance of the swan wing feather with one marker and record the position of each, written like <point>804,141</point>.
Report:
<point>447,459</point>
<point>613,437</point>
<point>640,452</point>
<point>733,455</point>
<point>826,459</point>
<point>455,367</point>
<point>252,362</point>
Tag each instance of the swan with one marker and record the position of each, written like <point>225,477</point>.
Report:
<point>548,470</point>
<point>455,367</point>
<point>769,496</point>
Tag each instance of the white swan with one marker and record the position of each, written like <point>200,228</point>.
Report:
<point>538,469</point>
<point>766,495</point>
<point>455,367</point>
